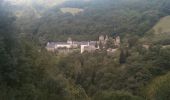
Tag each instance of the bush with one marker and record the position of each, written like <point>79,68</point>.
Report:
<point>159,89</point>
<point>115,95</point>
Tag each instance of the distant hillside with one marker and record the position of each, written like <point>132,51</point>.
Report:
<point>45,3</point>
<point>110,17</point>
<point>160,33</point>
<point>163,26</point>
<point>101,17</point>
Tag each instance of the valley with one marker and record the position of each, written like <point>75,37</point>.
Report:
<point>85,50</point>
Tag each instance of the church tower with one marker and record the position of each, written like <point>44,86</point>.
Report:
<point>117,41</point>
<point>69,41</point>
<point>106,38</point>
<point>101,39</point>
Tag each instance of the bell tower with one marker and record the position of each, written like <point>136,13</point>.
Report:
<point>69,40</point>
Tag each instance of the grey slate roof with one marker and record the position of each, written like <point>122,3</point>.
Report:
<point>93,42</point>
<point>85,42</point>
<point>51,45</point>
<point>64,43</point>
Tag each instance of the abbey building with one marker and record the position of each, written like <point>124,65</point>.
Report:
<point>82,46</point>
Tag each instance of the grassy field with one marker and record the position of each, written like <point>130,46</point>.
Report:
<point>163,26</point>
<point>71,10</point>
<point>161,33</point>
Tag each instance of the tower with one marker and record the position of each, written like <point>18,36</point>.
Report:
<point>101,39</point>
<point>106,38</point>
<point>117,41</point>
<point>69,41</point>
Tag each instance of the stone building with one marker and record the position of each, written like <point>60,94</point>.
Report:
<point>50,46</point>
<point>89,46</point>
<point>70,45</point>
<point>101,39</point>
<point>83,46</point>
<point>69,41</point>
<point>117,41</point>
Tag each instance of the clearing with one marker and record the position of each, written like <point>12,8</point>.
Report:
<point>73,11</point>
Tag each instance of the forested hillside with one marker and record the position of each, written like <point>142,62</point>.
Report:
<point>138,70</point>
<point>102,17</point>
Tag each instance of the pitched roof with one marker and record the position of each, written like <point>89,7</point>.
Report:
<point>50,45</point>
<point>62,43</point>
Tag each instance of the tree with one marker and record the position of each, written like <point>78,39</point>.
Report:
<point>8,44</point>
<point>122,58</point>
<point>159,88</point>
<point>115,95</point>
<point>110,44</point>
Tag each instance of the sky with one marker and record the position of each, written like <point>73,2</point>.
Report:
<point>44,2</point>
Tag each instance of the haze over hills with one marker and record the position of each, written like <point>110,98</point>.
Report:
<point>92,17</point>
<point>29,12</point>
<point>48,3</point>
<point>108,16</point>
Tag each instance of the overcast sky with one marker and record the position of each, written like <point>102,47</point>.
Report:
<point>45,2</point>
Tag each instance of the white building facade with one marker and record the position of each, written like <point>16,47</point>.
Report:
<point>88,46</point>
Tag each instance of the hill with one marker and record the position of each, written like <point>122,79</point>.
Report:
<point>46,3</point>
<point>163,26</point>
<point>159,34</point>
<point>101,17</point>
<point>98,17</point>
<point>29,72</point>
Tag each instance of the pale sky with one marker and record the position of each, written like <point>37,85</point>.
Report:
<point>44,2</point>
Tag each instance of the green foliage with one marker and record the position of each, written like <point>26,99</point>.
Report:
<point>132,41</point>
<point>119,16</point>
<point>159,88</point>
<point>110,44</point>
<point>28,72</point>
<point>118,95</point>
<point>122,58</point>
<point>91,74</point>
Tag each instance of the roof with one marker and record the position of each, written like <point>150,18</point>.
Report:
<point>80,43</point>
<point>85,42</point>
<point>92,42</point>
<point>62,43</point>
<point>51,45</point>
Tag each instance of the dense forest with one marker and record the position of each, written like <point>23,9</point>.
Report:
<point>29,72</point>
<point>102,17</point>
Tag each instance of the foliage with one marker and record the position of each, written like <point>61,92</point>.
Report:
<point>29,72</point>
<point>162,26</point>
<point>118,95</point>
<point>119,16</point>
<point>159,88</point>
